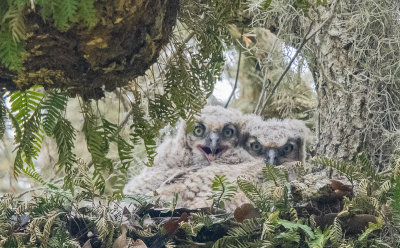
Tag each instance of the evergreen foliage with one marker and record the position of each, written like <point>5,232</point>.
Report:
<point>52,217</point>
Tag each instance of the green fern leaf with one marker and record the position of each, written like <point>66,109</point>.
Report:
<point>97,144</point>
<point>26,118</point>
<point>336,233</point>
<point>279,177</point>
<point>65,11</point>
<point>64,134</point>
<point>255,193</point>
<point>223,191</point>
<point>87,12</point>
<point>294,226</point>
<point>321,238</point>
<point>30,171</point>
<point>371,227</point>
<point>125,152</point>
<point>143,129</point>
<point>10,51</point>
<point>53,106</point>
<point>15,18</point>
<point>242,236</point>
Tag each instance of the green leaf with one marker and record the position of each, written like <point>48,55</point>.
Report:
<point>223,191</point>
<point>10,51</point>
<point>321,238</point>
<point>53,106</point>
<point>64,135</point>
<point>294,226</point>
<point>267,3</point>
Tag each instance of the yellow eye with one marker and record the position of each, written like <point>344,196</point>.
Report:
<point>199,130</point>
<point>255,146</point>
<point>228,132</point>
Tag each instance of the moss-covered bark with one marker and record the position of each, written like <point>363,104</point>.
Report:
<point>354,60</point>
<point>125,42</point>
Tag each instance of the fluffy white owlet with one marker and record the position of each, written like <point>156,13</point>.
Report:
<point>215,138</point>
<point>276,141</point>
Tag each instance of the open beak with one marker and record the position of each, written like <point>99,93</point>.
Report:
<point>213,149</point>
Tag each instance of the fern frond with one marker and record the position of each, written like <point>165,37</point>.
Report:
<point>117,181</point>
<point>349,170</point>
<point>104,226</point>
<point>292,226</point>
<point>97,144</point>
<point>32,137</point>
<point>279,177</point>
<point>371,227</point>
<point>255,193</point>
<point>321,238</point>
<point>367,168</point>
<point>10,51</point>
<point>87,12</point>
<point>242,236</point>
<point>26,116</point>
<point>64,134</point>
<point>336,233</point>
<point>125,152</point>
<point>223,191</point>
<point>33,174</point>
<point>138,199</point>
<point>65,11</point>
<point>24,104</point>
<point>142,128</point>
<point>47,229</point>
<point>15,19</point>
<point>53,106</point>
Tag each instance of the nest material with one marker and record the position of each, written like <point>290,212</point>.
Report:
<point>126,41</point>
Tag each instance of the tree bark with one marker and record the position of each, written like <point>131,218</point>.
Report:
<point>354,62</point>
<point>125,42</point>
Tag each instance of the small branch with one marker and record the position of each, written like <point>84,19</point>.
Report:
<point>306,38</point>
<point>304,41</point>
<point>238,69</point>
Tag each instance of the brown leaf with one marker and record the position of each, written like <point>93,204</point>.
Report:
<point>339,185</point>
<point>340,190</point>
<point>324,220</point>
<point>246,211</point>
<point>122,241</point>
<point>357,223</point>
<point>139,244</point>
<point>173,224</point>
<point>352,224</point>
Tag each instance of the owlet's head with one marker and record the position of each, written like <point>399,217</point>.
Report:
<point>276,141</point>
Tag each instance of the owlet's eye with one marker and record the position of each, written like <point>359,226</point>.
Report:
<point>228,132</point>
<point>288,148</point>
<point>255,146</point>
<point>199,130</point>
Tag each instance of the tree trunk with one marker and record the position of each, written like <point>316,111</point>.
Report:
<point>354,60</point>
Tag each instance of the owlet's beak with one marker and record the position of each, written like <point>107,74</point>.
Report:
<point>272,157</point>
<point>213,148</point>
